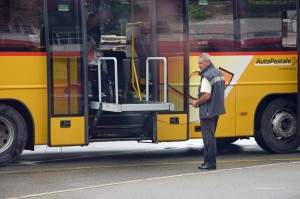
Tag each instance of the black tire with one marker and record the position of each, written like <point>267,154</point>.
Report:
<point>13,134</point>
<point>222,142</point>
<point>278,114</point>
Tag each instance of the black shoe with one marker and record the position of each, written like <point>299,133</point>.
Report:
<point>206,166</point>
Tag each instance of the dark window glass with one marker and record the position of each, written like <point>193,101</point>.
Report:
<point>20,23</point>
<point>211,25</point>
<point>65,57</point>
<point>267,24</point>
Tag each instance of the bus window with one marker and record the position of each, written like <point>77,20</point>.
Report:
<point>267,25</point>
<point>290,38</point>
<point>211,25</point>
<point>113,16</point>
<point>115,21</point>
<point>19,33</point>
<point>65,65</point>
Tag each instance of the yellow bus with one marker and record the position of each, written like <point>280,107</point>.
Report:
<point>50,95</point>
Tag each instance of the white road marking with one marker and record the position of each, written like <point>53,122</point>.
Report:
<point>150,179</point>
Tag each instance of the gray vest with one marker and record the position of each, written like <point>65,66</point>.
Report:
<point>215,105</point>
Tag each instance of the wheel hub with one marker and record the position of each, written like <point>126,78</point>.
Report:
<point>6,134</point>
<point>284,124</point>
<point>2,133</point>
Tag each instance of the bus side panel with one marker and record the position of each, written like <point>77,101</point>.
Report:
<point>249,97</point>
<point>24,79</point>
<point>226,125</point>
<point>67,134</point>
<point>171,127</point>
<point>265,75</point>
<point>36,102</point>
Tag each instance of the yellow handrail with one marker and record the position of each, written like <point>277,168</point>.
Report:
<point>134,77</point>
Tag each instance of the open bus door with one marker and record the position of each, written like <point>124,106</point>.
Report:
<point>66,63</point>
<point>147,75</point>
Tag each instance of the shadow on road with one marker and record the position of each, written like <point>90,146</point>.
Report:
<point>132,152</point>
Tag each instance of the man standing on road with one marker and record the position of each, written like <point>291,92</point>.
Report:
<point>211,104</point>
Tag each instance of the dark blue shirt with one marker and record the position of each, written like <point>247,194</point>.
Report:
<point>95,33</point>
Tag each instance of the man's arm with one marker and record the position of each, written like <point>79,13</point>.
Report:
<point>206,93</point>
<point>203,99</point>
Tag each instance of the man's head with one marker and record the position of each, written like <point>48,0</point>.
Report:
<point>92,20</point>
<point>203,61</point>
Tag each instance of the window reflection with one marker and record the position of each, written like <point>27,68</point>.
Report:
<point>267,25</point>
<point>211,26</point>
<point>242,25</point>
<point>20,25</point>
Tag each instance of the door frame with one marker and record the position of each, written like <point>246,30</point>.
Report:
<point>298,53</point>
<point>85,73</point>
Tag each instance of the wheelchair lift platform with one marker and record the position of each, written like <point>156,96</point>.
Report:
<point>145,105</point>
<point>139,106</point>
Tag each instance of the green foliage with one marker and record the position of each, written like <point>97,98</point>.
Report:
<point>118,15</point>
<point>196,12</point>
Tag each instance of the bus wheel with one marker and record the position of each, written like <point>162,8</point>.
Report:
<point>278,132</point>
<point>13,134</point>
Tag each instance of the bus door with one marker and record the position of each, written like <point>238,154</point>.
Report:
<point>170,29</point>
<point>66,63</point>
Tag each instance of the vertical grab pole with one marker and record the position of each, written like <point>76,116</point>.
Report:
<point>165,79</point>
<point>165,76</point>
<point>298,58</point>
<point>147,79</point>
<point>116,77</point>
<point>99,80</point>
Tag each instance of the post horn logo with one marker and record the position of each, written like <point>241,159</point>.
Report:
<point>294,60</point>
<point>227,76</point>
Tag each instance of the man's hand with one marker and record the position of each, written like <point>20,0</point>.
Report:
<point>193,103</point>
<point>203,99</point>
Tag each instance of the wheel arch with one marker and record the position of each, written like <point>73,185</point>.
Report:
<point>26,114</point>
<point>292,97</point>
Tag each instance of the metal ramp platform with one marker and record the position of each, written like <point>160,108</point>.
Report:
<point>138,106</point>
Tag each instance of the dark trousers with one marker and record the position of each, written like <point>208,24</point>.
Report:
<point>208,128</point>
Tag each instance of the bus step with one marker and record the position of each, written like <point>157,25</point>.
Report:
<point>124,131</point>
<point>119,120</point>
<point>119,139</point>
<point>118,126</point>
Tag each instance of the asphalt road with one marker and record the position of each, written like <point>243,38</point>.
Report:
<point>143,170</point>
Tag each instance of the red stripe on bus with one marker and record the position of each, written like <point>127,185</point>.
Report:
<point>75,54</point>
<point>18,42</point>
<point>22,53</point>
<point>245,53</point>
<point>191,54</point>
